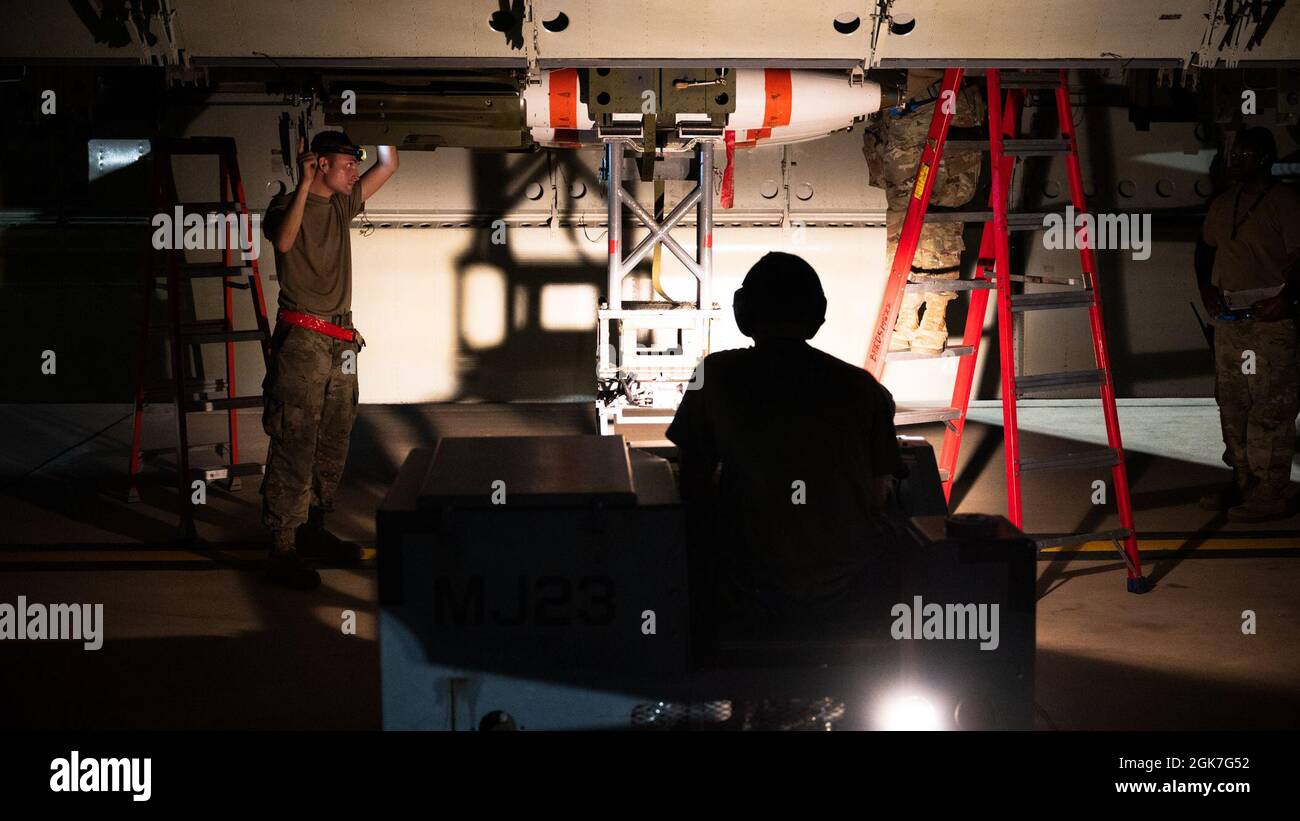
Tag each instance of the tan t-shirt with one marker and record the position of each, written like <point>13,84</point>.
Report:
<point>316,274</point>
<point>1267,242</point>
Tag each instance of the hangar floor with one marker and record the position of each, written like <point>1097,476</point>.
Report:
<point>200,640</point>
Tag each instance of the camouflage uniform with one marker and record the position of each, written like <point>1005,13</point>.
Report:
<point>893,147</point>
<point>311,402</point>
<point>1257,410</point>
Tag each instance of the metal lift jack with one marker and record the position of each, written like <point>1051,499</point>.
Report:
<point>642,382</point>
<point>993,272</point>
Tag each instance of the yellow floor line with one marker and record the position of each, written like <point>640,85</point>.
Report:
<point>126,555</point>
<point>1213,543</point>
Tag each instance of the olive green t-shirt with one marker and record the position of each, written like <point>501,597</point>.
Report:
<point>316,273</point>
<point>1267,240</point>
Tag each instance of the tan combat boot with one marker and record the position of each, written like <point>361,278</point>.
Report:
<point>909,318</point>
<point>932,337</point>
<point>314,541</point>
<point>285,566</point>
<point>1231,494</point>
<point>1265,503</point>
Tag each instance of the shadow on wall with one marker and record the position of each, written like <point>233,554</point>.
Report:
<point>71,263</point>
<point>531,361</point>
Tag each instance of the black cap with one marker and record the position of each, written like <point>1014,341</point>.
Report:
<point>336,142</point>
<point>781,296</point>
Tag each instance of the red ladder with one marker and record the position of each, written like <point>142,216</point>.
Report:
<point>1005,146</point>
<point>192,395</point>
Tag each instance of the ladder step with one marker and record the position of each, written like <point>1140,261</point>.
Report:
<point>190,327</point>
<point>1042,280</point>
<point>956,350</point>
<point>1062,379</point>
<point>1021,79</point>
<point>1080,538</point>
<point>212,269</point>
<point>933,285</point>
<point>220,447</point>
<point>919,416</point>
<point>1029,220</point>
<point>167,395</point>
<point>208,330</point>
<point>1052,300</point>
<point>1017,147</point>
<point>211,207</point>
<point>1084,459</point>
<point>228,403</point>
<point>191,386</point>
<point>1018,221</point>
<point>209,474</point>
<point>224,336</point>
<point>940,215</point>
<point>1025,147</point>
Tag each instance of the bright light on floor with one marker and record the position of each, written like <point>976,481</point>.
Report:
<point>1179,428</point>
<point>908,711</point>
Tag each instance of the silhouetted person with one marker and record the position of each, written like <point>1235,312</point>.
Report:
<point>794,530</point>
<point>1248,269</point>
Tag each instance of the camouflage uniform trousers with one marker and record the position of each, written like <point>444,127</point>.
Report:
<point>893,150</point>
<point>311,402</point>
<point>1257,410</point>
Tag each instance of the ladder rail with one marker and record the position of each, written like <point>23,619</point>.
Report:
<point>142,356</point>
<point>1119,471</point>
<point>227,256</point>
<point>961,390</point>
<point>973,334</point>
<point>254,269</point>
<point>1002,270</point>
<point>914,221</point>
<point>166,192</point>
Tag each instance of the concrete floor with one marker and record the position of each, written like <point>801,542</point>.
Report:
<point>200,640</point>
